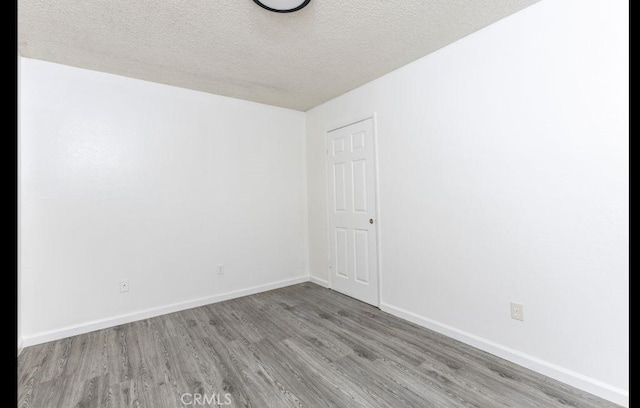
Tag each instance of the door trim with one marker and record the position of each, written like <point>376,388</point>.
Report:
<point>376,187</point>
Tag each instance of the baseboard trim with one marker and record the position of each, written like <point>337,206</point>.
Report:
<point>318,281</point>
<point>75,330</point>
<point>588,384</point>
<point>20,346</point>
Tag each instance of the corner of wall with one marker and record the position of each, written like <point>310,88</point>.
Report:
<point>18,263</point>
<point>305,198</point>
<point>318,281</point>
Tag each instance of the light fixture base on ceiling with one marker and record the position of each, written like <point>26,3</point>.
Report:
<point>282,6</point>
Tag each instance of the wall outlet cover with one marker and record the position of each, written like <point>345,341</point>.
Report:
<point>517,311</point>
<point>124,286</point>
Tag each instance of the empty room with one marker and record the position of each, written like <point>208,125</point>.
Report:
<point>322,203</point>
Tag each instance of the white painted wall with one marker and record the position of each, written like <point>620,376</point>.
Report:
<point>503,162</point>
<point>126,179</point>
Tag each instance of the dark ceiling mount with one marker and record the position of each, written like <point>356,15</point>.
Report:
<point>303,4</point>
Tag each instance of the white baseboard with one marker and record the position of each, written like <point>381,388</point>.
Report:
<point>148,313</point>
<point>318,281</point>
<point>588,384</point>
<point>20,346</point>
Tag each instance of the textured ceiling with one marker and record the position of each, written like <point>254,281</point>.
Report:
<point>235,48</point>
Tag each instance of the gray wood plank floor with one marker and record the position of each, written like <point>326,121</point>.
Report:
<point>300,346</point>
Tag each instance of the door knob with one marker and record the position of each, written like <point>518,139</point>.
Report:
<point>370,220</point>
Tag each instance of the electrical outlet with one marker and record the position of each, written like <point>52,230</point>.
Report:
<point>221,269</point>
<point>124,286</point>
<point>517,311</point>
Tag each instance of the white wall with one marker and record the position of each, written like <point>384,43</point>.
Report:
<point>503,163</point>
<point>126,179</point>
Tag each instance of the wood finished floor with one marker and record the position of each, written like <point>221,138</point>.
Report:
<point>301,346</point>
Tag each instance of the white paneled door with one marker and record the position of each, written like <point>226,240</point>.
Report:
<point>352,212</point>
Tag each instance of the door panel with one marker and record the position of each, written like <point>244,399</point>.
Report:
<point>352,213</point>
<point>361,255</point>
<point>340,194</point>
<point>342,260</point>
<point>359,181</point>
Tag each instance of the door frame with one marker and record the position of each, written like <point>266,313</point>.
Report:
<point>376,187</point>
